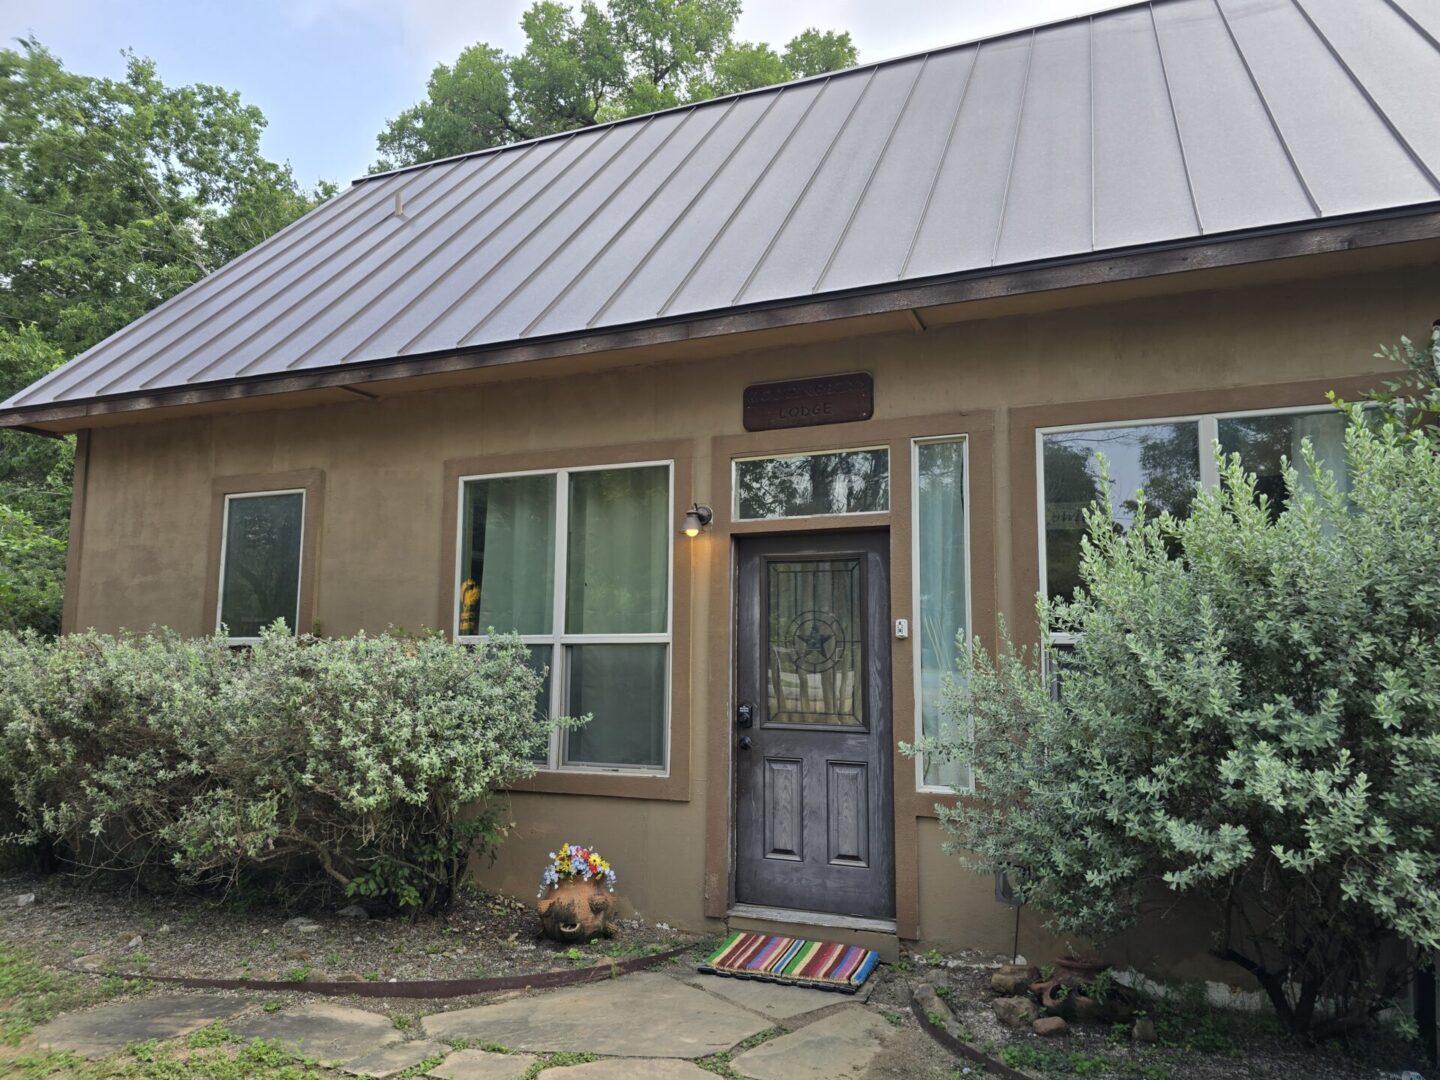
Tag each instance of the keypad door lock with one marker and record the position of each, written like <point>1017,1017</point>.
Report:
<point>744,715</point>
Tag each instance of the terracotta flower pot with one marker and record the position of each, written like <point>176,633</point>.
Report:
<point>576,910</point>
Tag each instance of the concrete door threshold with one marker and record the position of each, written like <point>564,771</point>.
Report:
<point>877,934</point>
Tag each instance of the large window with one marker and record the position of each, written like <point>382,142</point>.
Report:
<point>813,485</point>
<point>577,562</point>
<point>942,590</point>
<point>1170,459</point>
<point>260,550</point>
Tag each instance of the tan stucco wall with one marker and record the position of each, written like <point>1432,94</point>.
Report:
<point>147,515</point>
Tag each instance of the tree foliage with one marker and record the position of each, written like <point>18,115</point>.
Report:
<point>1251,715</point>
<point>586,66</point>
<point>115,194</point>
<point>352,766</point>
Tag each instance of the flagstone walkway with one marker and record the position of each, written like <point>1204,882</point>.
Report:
<point>650,1026</point>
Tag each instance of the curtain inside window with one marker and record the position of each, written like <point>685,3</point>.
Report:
<point>1264,443</point>
<point>510,569</point>
<point>619,546</point>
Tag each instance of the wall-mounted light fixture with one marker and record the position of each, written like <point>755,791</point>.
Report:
<point>697,519</point>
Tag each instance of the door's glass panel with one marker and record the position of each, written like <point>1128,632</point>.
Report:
<point>619,550</point>
<point>815,642</point>
<point>802,485</point>
<point>508,556</point>
<point>1264,443</point>
<point>623,688</point>
<point>260,581</point>
<point>1162,459</point>
<point>940,491</point>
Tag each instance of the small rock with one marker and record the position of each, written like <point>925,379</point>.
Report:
<point>301,925</point>
<point>937,979</point>
<point>1002,983</point>
<point>25,899</point>
<point>94,962</point>
<point>1015,1011</point>
<point>1144,1030</point>
<point>164,929</point>
<point>352,911</point>
<point>134,942</point>
<point>928,1002</point>
<point>1050,1026</point>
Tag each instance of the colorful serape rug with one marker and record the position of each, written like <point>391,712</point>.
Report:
<point>821,965</point>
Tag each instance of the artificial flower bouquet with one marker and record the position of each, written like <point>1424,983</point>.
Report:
<point>575,863</point>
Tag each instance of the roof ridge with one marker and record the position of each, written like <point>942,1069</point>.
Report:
<point>1103,9</point>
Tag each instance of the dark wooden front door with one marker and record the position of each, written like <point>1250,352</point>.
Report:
<point>813,828</point>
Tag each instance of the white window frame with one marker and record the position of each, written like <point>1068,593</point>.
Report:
<point>918,634</point>
<point>1209,435</point>
<point>558,639</point>
<point>735,482</point>
<point>225,550</point>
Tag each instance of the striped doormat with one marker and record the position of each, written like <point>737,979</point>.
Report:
<point>821,965</point>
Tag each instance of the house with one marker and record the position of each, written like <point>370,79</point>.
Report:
<point>863,335</point>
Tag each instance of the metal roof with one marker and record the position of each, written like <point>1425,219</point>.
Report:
<point>1158,122</point>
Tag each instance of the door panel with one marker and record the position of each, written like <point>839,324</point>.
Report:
<point>814,813</point>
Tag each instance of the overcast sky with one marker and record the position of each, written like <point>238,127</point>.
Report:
<point>328,73</point>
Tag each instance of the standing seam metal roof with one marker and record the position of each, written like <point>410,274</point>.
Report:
<point>1157,122</point>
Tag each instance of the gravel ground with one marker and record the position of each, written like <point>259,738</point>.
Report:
<point>84,928</point>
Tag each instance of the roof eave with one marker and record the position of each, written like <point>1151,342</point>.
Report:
<point>1293,240</point>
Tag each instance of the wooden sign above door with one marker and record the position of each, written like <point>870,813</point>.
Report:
<point>830,399</point>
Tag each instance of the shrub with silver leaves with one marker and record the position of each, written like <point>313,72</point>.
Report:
<point>363,762</point>
<point>1251,715</point>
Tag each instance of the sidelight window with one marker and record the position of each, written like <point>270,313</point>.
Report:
<point>942,590</point>
<point>577,562</point>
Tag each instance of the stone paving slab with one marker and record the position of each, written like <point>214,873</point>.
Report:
<point>842,1044</point>
<point>645,1016</point>
<point>389,1060</point>
<point>630,1069</point>
<point>483,1065</point>
<point>332,1034</point>
<point>110,1028</point>
<point>773,999</point>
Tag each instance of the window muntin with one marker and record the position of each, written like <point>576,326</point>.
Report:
<point>826,484</point>
<point>941,560</point>
<point>580,568</point>
<point>1147,460</point>
<point>260,549</point>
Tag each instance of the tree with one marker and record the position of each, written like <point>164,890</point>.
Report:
<point>1251,715</point>
<point>114,196</point>
<point>597,64</point>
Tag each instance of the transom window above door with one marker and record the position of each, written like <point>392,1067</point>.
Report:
<point>577,562</point>
<point>1170,460</point>
<point>826,484</point>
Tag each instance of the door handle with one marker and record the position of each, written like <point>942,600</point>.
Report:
<point>744,714</point>
<point>745,742</point>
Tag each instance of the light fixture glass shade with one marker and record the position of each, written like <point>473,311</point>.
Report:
<point>696,519</point>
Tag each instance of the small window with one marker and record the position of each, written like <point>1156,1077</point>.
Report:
<point>1265,442</point>
<point>942,590</point>
<point>1162,458</point>
<point>260,562</point>
<point>577,562</point>
<point>813,485</point>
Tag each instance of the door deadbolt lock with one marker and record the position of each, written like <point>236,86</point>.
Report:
<point>745,715</point>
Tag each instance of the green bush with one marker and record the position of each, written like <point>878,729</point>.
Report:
<point>1251,715</point>
<point>362,763</point>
